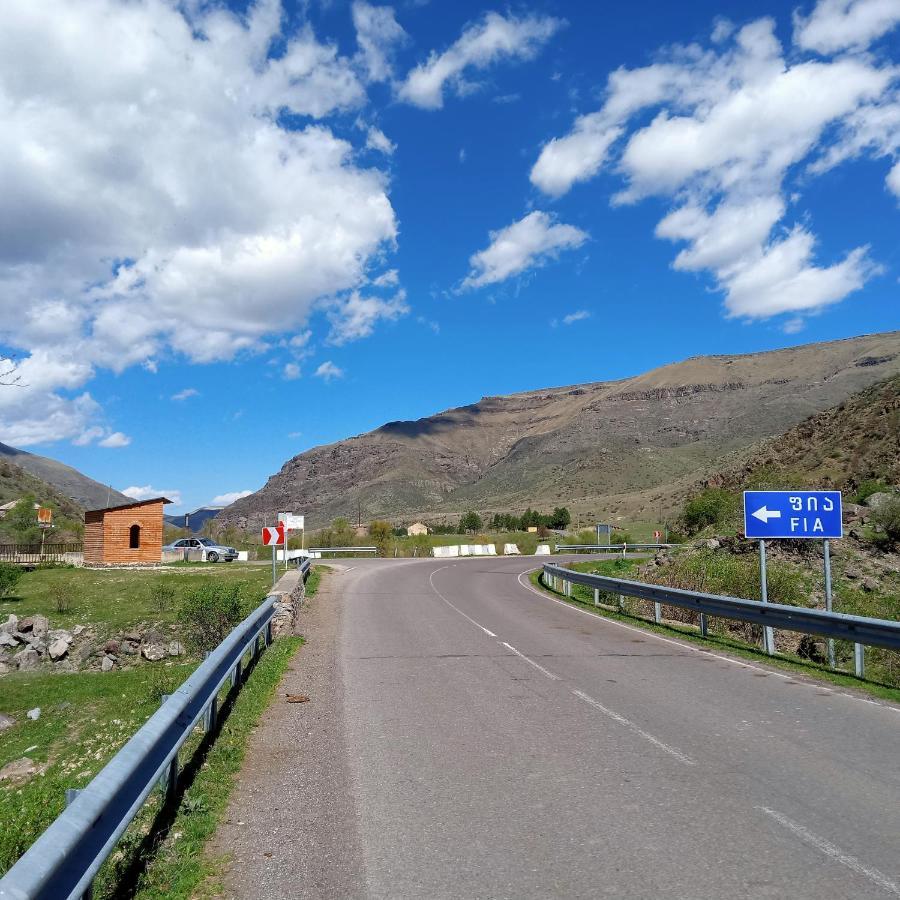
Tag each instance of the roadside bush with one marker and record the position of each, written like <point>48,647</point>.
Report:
<point>887,518</point>
<point>162,594</point>
<point>208,613</point>
<point>9,578</point>
<point>64,595</point>
<point>714,506</point>
<point>869,487</point>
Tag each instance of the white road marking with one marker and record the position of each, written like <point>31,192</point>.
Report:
<point>487,631</point>
<point>616,717</point>
<point>835,853</point>
<point>528,659</point>
<point>684,645</point>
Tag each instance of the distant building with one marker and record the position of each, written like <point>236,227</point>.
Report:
<point>532,529</point>
<point>131,533</point>
<point>7,507</point>
<point>416,529</point>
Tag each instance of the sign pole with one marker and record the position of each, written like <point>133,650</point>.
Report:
<point>768,633</point>
<point>827,549</point>
<point>274,554</point>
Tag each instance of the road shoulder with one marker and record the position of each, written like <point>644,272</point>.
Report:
<point>291,826</point>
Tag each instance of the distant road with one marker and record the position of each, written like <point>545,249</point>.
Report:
<point>475,739</point>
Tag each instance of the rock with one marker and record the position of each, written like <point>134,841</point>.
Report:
<point>153,652</point>
<point>40,626</point>
<point>812,648</point>
<point>175,648</point>
<point>129,648</point>
<point>8,640</point>
<point>85,652</point>
<point>59,648</point>
<point>60,634</point>
<point>77,630</point>
<point>112,647</point>
<point>712,544</point>
<point>18,769</point>
<point>26,624</point>
<point>6,722</point>
<point>154,636</point>
<point>870,585</point>
<point>27,660</point>
<point>11,624</point>
<point>108,663</point>
<point>34,714</point>
<point>4,669</point>
<point>857,534</point>
<point>133,636</point>
<point>851,573</point>
<point>876,501</point>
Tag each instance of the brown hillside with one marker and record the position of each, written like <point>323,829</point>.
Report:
<point>603,449</point>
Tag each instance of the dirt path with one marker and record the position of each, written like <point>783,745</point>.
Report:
<point>291,828</point>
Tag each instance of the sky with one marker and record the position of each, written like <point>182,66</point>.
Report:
<point>232,232</point>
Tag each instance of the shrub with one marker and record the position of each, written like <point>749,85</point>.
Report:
<point>209,612</point>
<point>887,518</point>
<point>713,506</point>
<point>9,578</point>
<point>64,595</point>
<point>869,487</point>
<point>162,594</point>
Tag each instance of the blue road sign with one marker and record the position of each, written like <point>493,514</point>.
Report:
<point>793,514</point>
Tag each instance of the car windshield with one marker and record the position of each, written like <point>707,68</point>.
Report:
<point>207,542</point>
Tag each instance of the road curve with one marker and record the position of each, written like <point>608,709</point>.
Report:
<point>495,743</point>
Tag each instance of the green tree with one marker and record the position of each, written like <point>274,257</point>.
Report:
<point>21,522</point>
<point>209,612</point>
<point>9,578</point>
<point>471,521</point>
<point>714,506</point>
<point>887,518</point>
<point>560,518</point>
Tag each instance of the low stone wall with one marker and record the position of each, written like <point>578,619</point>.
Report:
<point>290,592</point>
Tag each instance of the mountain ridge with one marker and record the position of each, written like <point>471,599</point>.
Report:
<point>602,448</point>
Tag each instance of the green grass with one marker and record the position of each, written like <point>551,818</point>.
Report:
<point>115,599</point>
<point>582,598</point>
<point>84,720</point>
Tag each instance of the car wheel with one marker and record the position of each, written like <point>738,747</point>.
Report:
<point>229,559</point>
<point>212,556</point>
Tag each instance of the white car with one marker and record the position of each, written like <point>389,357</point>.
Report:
<point>211,551</point>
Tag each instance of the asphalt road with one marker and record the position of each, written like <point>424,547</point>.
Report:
<point>494,743</point>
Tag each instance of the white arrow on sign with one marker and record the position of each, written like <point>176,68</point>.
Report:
<point>764,514</point>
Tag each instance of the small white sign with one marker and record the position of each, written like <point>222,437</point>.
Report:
<point>290,521</point>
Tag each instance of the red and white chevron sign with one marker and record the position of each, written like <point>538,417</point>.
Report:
<point>273,536</point>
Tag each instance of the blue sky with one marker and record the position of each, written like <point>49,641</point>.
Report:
<point>234,233</point>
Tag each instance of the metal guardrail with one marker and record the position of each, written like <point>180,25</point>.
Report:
<point>859,629</point>
<point>343,550</point>
<point>63,861</point>
<point>598,548</point>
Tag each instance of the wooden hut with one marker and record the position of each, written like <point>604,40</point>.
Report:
<point>131,533</point>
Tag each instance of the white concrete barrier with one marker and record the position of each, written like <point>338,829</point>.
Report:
<point>445,552</point>
<point>491,549</point>
<point>243,555</point>
<point>511,549</point>
<point>542,550</point>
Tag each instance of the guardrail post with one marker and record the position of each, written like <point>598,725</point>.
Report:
<point>268,633</point>
<point>703,624</point>
<point>209,717</point>
<point>596,596</point>
<point>71,794</point>
<point>859,660</point>
<point>568,585</point>
<point>621,603</point>
<point>657,612</point>
<point>236,673</point>
<point>169,780</point>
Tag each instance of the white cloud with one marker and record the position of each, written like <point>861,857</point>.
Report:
<point>149,133</point>
<point>115,440</point>
<point>577,316</point>
<point>378,34</point>
<point>291,372</point>
<point>186,394</point>
<point>731,124</point>
<point>893,179</point>
<point>148,492</point>
<point>357,316</point>
<point>526,244</point>
<point>387,279</point>
<point>376,139</point>
<point>229,498</point>
<point>328,371</point>
<point>840,24</point>
<point>482,43</point>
